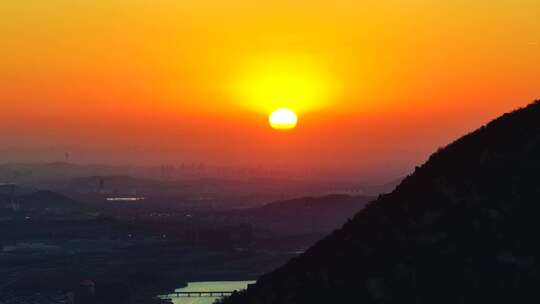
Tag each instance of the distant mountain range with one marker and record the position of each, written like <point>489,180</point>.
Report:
<point>463,228</point>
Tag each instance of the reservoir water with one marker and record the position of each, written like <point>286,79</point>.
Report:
<point>208,286</point>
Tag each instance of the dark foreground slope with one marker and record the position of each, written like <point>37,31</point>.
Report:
<point>464,228</point>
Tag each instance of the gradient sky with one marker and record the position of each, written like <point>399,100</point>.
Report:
<point>376,84</point>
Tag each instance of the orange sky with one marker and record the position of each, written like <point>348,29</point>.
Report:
<point>376,84</point>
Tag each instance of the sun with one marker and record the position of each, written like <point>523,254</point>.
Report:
<point>283,119</point>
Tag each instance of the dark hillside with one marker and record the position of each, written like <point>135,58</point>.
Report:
<point>463,228</point>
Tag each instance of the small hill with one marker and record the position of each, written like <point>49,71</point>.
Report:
<point>14,190</point>
<point>45,199</point>
<point>38,200</point>
<point>306,215</point>
<point>4,198</point>
<point>463,228</point>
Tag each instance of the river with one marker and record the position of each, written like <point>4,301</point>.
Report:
<point>209,286</point>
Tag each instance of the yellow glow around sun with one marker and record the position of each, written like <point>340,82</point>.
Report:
<point>293,82</point>
<point>283,119</point>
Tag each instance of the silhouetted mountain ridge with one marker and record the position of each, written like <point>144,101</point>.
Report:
<point>461,229</point>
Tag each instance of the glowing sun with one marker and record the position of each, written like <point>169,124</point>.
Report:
<point>283,119</point>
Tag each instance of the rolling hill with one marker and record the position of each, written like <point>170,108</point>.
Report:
<point>306,215</point>
<point>38,200</point>
<point>463,228</point>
